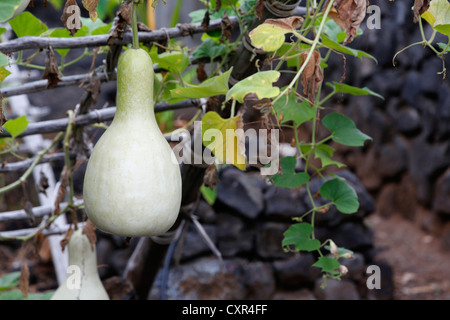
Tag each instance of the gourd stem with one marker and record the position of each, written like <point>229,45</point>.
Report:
<point>134,24</point>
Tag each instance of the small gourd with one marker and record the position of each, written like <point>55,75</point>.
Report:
<point>132,184</point>
<point>82,281</point>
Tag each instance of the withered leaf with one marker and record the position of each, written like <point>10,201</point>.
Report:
<point>201,73</point>
<point>227,27</point>
<point>89,231</point>
<point>349,14</point>
<point>205,21</point>
<point>420,6</point>
<point>94,87</point>
<point>211,176</point>
<point>123,18</point>
<point>218,5</point>
<point>91,6</point>
<point>51,72</point>
<point>66,238</point>
<point>43,182</point>
<point>251,100</point>
<point>62,189</point>
<point>71,16</point>
<point>289,23</point>
<point>259,8</point>
<point>24,279</point>
<point>2,114</point>
<point>312,75</point>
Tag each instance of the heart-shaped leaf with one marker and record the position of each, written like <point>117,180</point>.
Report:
<point>223,139</point>
<point>259,83</point>
<point>299,235</point>
<point>344,131</point>
<point>343,196</point>
<point>293,110</point>
<point>289,178</point>
<point>211,87</point>
<point>16,126</point>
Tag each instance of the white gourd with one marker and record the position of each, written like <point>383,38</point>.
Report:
<point>82,281</point>
<point>132,183</point>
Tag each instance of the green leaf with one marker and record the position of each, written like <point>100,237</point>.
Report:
<point>259,83</point>
<point>7,9</point>
<point>327,42</point>
<point>211,87</point>
<point>4,73</point>
<point>444,46</point>
<point>324,152</point>
<point>209,195</point>
<point>175,61</point>
<point>17,295</point>
<point>438,16</point>
<point>333,31</point>
<point>294,111</point>
<point>345,88</point>
<point>344,131</point>
<point>209,48</point>
<point>9,280</point>
<point>342,195</point>
<point>289,178</point>
<point>299,235</point>
<point>2,30</point>
<point>26,24</point>
<point>16,126</point>
<point>64,33</point>
<point>93,26</point>
<point>328,265</point>
<point>268,37</point>
<point>3,59</point>
<point>229,149</point>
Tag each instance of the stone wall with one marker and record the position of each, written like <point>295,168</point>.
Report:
<point>407,165</point>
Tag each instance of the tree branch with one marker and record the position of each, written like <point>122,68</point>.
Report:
<point>182,30</point>
<point>95,116</point>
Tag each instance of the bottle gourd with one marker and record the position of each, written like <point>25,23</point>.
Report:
<point>132,184</point>
<point>82,281</point>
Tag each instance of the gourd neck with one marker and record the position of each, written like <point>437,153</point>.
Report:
<point>135,85</point>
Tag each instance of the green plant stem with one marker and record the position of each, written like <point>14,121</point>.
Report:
<point>27,173</point>
<point>134,24</point>
<point>67,160</point>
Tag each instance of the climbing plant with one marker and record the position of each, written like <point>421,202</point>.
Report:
<point>268,56</point>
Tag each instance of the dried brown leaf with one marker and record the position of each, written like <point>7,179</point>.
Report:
<point>205,21</point>
<point>51,72</point>
<point>201,73</point>
<point>89,231</point>
<point>312,75</point>
<point>94,87</point>
<point>420,6</point>
<point>2,114</point>
<point>66,238</point>
<point>123,19</point>
<point>349,14</point>
<point>71,16</point>
<point>62,189</point>
<point>91,6</point>
<point>218,5</point>
<point>24,279</point>
<point>227,27</point>
<point>289,23</point>
<point>260,8</point>
<point>211,176</point>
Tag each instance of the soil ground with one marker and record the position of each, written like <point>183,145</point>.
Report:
<point>421,268</point>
